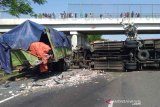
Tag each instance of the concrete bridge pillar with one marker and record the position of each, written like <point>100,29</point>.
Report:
<point>78,39</point>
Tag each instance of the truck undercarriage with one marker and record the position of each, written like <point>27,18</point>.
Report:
<point>131,54</point>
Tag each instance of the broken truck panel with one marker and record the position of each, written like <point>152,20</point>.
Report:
<point>60,44</point>
<point>21,57</point>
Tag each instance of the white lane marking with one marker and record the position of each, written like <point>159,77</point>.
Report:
<point>111,104</point>
<point>9,98</point>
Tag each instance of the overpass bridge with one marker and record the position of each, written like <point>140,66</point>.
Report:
<point>79,27</point>
<point>89,25</point>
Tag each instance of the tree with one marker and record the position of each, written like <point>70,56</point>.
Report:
<point>92,38</point>
<point>17,7</point>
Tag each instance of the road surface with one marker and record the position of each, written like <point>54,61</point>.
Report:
<point>131,89</point>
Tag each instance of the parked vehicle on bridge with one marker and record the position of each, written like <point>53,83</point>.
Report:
<point>14,47</point>
<point>131,54</point>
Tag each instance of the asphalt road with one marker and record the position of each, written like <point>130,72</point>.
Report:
<point>132,89</point>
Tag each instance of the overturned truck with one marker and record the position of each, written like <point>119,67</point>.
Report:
<point>131,54</point>
<point>126,55</point>
<point>15,51</point>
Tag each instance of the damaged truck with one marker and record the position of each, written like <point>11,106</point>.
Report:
<point>128,55</point>
<point>18,52</point>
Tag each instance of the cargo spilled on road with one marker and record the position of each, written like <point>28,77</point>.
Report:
<point>71,78</point>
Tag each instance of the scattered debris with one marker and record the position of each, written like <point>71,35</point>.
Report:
<point>65,79</point>
<point>23,86</point>
<point>69,78</point>
<point>10,92</point>
<point>7,84</point>
<point>57,82</point>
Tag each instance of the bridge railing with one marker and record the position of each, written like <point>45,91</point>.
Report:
<point>98,15</point>
<point>86,15</point>
<point>99,11</point>
<point>69,15</point>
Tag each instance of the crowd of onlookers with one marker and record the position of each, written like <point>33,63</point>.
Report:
<point>128,14</point>
<point>45,15</point>
<point>65,15</point>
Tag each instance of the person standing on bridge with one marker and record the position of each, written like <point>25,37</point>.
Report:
<point>132,14</point>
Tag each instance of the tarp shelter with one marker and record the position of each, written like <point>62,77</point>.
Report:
<point>23,35</point>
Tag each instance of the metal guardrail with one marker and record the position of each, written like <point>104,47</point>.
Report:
<point>86,15</point>
<point>99,15</point>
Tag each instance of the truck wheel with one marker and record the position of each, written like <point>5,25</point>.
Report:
<point>143,55</point>
<point>91,65</point>
<point>130,66</point>
<point>65,66</point>
<point>82,65</point>
<point>62,65</point>
<point>68,65</point>
<point>59,66</point>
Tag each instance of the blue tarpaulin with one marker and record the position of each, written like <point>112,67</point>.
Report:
<point>66,42</point>
<point>21,37</point>
<point>59,39</point>
<point>5,58</point>
<point>56,38</point>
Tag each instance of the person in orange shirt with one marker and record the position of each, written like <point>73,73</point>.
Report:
<point>41,50</point>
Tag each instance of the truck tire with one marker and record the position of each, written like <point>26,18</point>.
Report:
<point>60,66</point>
<point>143,55</point>
<point>65,66</point>
<point>91,65</point>
<point>82,65</point>
<point>131,44</point>
<point>130,66</point>
<point>68,65</point>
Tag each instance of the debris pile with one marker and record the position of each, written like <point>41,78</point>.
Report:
<point>65,79</point>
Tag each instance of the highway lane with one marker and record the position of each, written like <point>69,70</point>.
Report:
<point>131,89</point>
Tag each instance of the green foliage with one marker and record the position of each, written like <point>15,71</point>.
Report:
<point>92,38</point>
<point>17,7</point>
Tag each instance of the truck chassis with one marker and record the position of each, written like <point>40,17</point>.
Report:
<point>131,54</point>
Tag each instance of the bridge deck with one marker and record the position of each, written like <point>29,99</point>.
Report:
<point>89,25</point>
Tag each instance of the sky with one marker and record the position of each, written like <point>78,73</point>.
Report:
<point>59,6</point>
<point>64,5</point>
